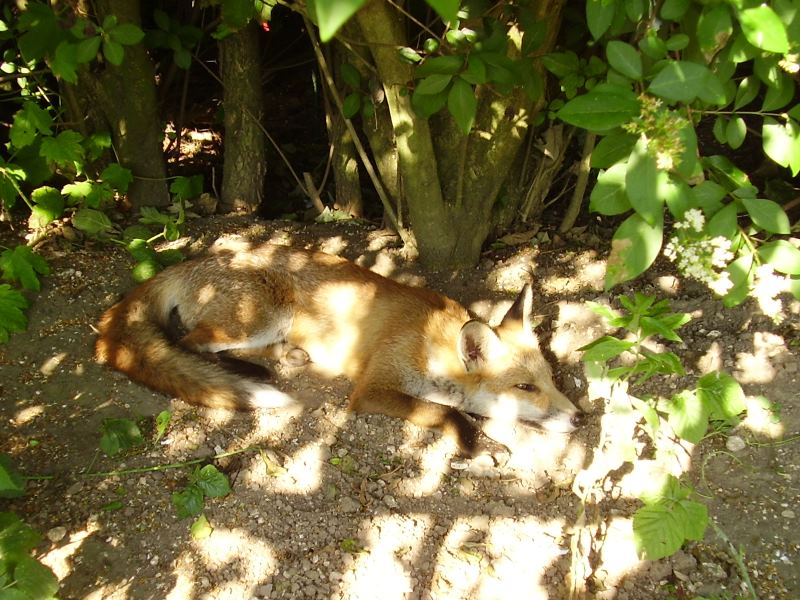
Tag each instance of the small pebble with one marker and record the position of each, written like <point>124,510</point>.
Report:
<point>735,444</point>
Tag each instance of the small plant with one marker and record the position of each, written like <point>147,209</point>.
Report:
<point>205,482</point>
<point>670,514</point>
<point>21,576</point>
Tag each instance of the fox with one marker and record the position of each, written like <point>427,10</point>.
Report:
<point>409,352</point>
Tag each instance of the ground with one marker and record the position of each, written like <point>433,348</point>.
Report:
<point>330,505</point>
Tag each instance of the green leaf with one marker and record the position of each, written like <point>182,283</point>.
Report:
<point>611,149</point>
<point>735,132</point>
<point>211,481</point>
<point>688,416</point>
<point>641,182</point>
<point>34,579</point>
<point>126,34</point>
<point>145,270</point>
<point>782,255</point>
<point>119,435</point>
<point>447,9</point>
<point>12,319</point>
<point>599,16</point>
<point>188,502</point>
<point>475,72</point>
<point>162,424</point>
<point>625,59</point>
<point>781,142</point>
<point>680,81</point>
<point>118,176</point>
<point>604,349</point>
<point>23,265</point>
<point>64,63</point>
<point>63,150</point>
<point>673,10</point>
<point>16,538</point>
<point>741,274</point>
<point>113,51</point>
<point>77,191</point>
<point>714,29</point>
<point>351,105</point>
<point>201,528</point>
<point>409,55</point>
<point>600,110</point>
<point>170,256</point>
<point>723,396</point>
<point>87,49</point>
<point>608,196</point>
<point>440,65</point>
<point>653,46</point>
<point>462,104</point>
<point>779,95</point>
<point>29,121</point>
<point>12,484</point>
<point>49,206</point>
<point>746,92</point>
<point>658,532</point>
<point>768,215</point>
<point>635,246</point>
<point>561,64</point>
<point>350,75</point>
<point>433,84</point>
<point>330,15</point>
<point>723,223</point>
<point>708,195</point>
<point>764,29</point>
<point>91,221</point>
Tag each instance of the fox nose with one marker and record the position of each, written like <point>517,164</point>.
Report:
<point>577,419</point>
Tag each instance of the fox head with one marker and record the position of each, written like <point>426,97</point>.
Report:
<point>514,381</point>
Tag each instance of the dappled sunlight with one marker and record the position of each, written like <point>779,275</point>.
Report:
<point>334,245</point>
<point>392,545</point>
<point>434,463</point>
<point>28,414</point>
<point>576,326</point>
<point>303,470</point>
<point>60,559</point>
<point>383,265</point>
<point>53,363</point>
<point>711,359</point>
<point>760,418</point>
<point>618,553</point>
<point>758,366</point>
<point>589,273</point>
<point>236,556</point>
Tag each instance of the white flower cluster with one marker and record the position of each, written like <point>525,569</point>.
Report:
<point>702,259</point>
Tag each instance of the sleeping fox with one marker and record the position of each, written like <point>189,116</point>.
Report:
<point>410,352</point>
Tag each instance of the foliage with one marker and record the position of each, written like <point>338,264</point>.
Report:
<point>670,514</point>
<point>205,482</point>
<point>21,576</point>
<point>119,435</point>
<point>665,76</point>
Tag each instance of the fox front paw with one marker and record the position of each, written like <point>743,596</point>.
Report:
<point>485,448</point>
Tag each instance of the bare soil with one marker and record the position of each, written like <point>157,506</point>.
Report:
<point>342,506</point>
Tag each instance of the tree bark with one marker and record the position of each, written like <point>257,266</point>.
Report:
<point>124,98</point>
<point>244,144</point>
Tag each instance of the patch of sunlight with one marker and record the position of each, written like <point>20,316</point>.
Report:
<point>498,558</point>
<point>761,419</point>
<point>303,470</point>
<point>489,311</point>
<point>51,364</point>
<point>184,582</point>
<point>576,326</point>
<point>669,284</point>
<point>589,275</point>
<point>384,265</point>
<point>711,360</point>
<point>59,559</point>
<point>434,463</point>
<point>758,366</point>
<point>392,549</point>
<point>334,245</point>
<point>618,552</point>
<point>234,557</point>
<point>27,414</point>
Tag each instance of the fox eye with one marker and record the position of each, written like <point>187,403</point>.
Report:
<point>527,387</point>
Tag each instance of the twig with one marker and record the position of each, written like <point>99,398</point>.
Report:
<point>168,466</point>
<point>574,208</point>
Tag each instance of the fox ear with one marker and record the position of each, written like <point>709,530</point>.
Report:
<point>519,315</point>
<point>477,345</point>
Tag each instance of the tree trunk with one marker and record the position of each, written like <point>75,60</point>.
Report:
<point>245,154</point>
<point>125,97</point>
<point>450,181</point>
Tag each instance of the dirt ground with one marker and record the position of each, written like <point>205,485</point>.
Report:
<point>336,506</point>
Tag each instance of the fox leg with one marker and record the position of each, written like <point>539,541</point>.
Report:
<point>450,421</point>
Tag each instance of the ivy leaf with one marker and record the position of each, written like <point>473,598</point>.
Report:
<point>91,221</point>
<point>63,150</point>
<point>119,435</point>
<point>23,265</point>
<point>12,319</point>
<point>462,104</point>
<point>30,121</point>
<point>118,176</point>
<point>764,29</point>
<point>767,214</point>
<point>211,481</point>
<point>188,502</point>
